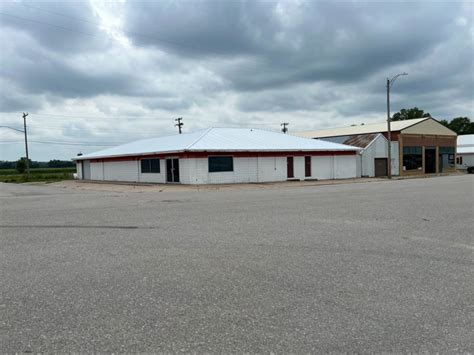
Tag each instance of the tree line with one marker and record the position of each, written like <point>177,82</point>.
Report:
<point>38,164</point>
<point>460,125</point>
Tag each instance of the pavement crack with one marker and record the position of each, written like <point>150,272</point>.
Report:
<point>76,227</point>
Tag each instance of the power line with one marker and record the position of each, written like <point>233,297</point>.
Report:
<point>135,33</point>
<point>140,34</point>
<point>49,24</point>
<point>227,55</point>
<point>92,117</point>
<point>68,143</point>
<point>152,119</point>
<point>94,35</point>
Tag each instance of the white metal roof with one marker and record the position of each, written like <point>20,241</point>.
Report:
<point>219,140</point>
<point>362,129</point>
<point>466,144</point>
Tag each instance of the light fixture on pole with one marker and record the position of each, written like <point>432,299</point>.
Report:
<point>389,133</point>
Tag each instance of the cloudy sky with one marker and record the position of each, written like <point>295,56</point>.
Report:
<point>99,73</point>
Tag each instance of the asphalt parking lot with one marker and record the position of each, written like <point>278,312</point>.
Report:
<point>367,267</point>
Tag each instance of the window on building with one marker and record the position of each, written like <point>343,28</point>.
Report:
<point>459,160</point>
<point>412,158</point>
<point>150,166</point>
<point>447,155</point>
<point>220,164</point>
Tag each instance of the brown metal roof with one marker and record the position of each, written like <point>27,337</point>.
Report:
<point>360,140</point>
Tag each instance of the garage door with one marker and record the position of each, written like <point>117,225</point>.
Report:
<point>86,170</point>
<point>380,167</point>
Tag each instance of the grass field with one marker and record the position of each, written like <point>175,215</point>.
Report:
<point>41,174</point>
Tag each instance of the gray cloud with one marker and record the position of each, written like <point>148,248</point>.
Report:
<point>314,64</point>
<point>60,26</point>
<point>339,42</point>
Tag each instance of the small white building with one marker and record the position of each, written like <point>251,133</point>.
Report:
<point>373,156</point>
<point>221,155</point>
<point>465,151</point>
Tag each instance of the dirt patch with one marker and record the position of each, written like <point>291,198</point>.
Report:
<point>131,187</point>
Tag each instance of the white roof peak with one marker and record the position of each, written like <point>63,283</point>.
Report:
<point>361,128</point>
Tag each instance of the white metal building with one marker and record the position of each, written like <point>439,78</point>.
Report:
<point>221,155</point>
<point>373,156</point>
<point>465,150</point>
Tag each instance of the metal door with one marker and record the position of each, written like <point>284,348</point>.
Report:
<point>380,166</point>
<point>172,170</point>
<point>307,166</point>
<point>289,167</point>
<point>430,160</point>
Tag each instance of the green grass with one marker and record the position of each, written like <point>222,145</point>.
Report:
<point>42,174</point>
<point>39,171</point>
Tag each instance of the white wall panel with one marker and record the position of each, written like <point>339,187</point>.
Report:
<point>298,166</point>
<point>87,169</point>
<point>121,170</point>
<point>322,167</point>
<point>79,169</point>
<point>97,171</point>
<point>467,160</point>
<point>345,166</point>
<point>262,169</point>
<point>271,169</point>
<point>368,163</point>
<point>359,165</point>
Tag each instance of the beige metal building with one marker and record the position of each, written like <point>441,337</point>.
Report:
<point>420,146</point>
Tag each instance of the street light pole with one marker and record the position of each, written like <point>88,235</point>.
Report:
<point>389,132</point>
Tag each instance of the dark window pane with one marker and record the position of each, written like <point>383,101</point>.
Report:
<point>150,165</point>
<point>446,150</point>
<point>217,164</point>
<point>145,165</point>
<point>155,165</point>
<point>412,158</point>
<point>412,150</point>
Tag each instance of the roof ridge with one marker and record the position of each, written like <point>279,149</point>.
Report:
<point>365,125</point>
<point>198,138</point>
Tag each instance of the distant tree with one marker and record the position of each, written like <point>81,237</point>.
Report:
<point>7,164</point>
<point>60,164</point>
<point>21,165</point>
<point>462,125</point>
<point>409,114</point>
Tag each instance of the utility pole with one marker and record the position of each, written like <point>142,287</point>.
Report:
<point>284,129</point>
<point>389,132</point>
<point>179,124</point>
<point>26,145</point>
